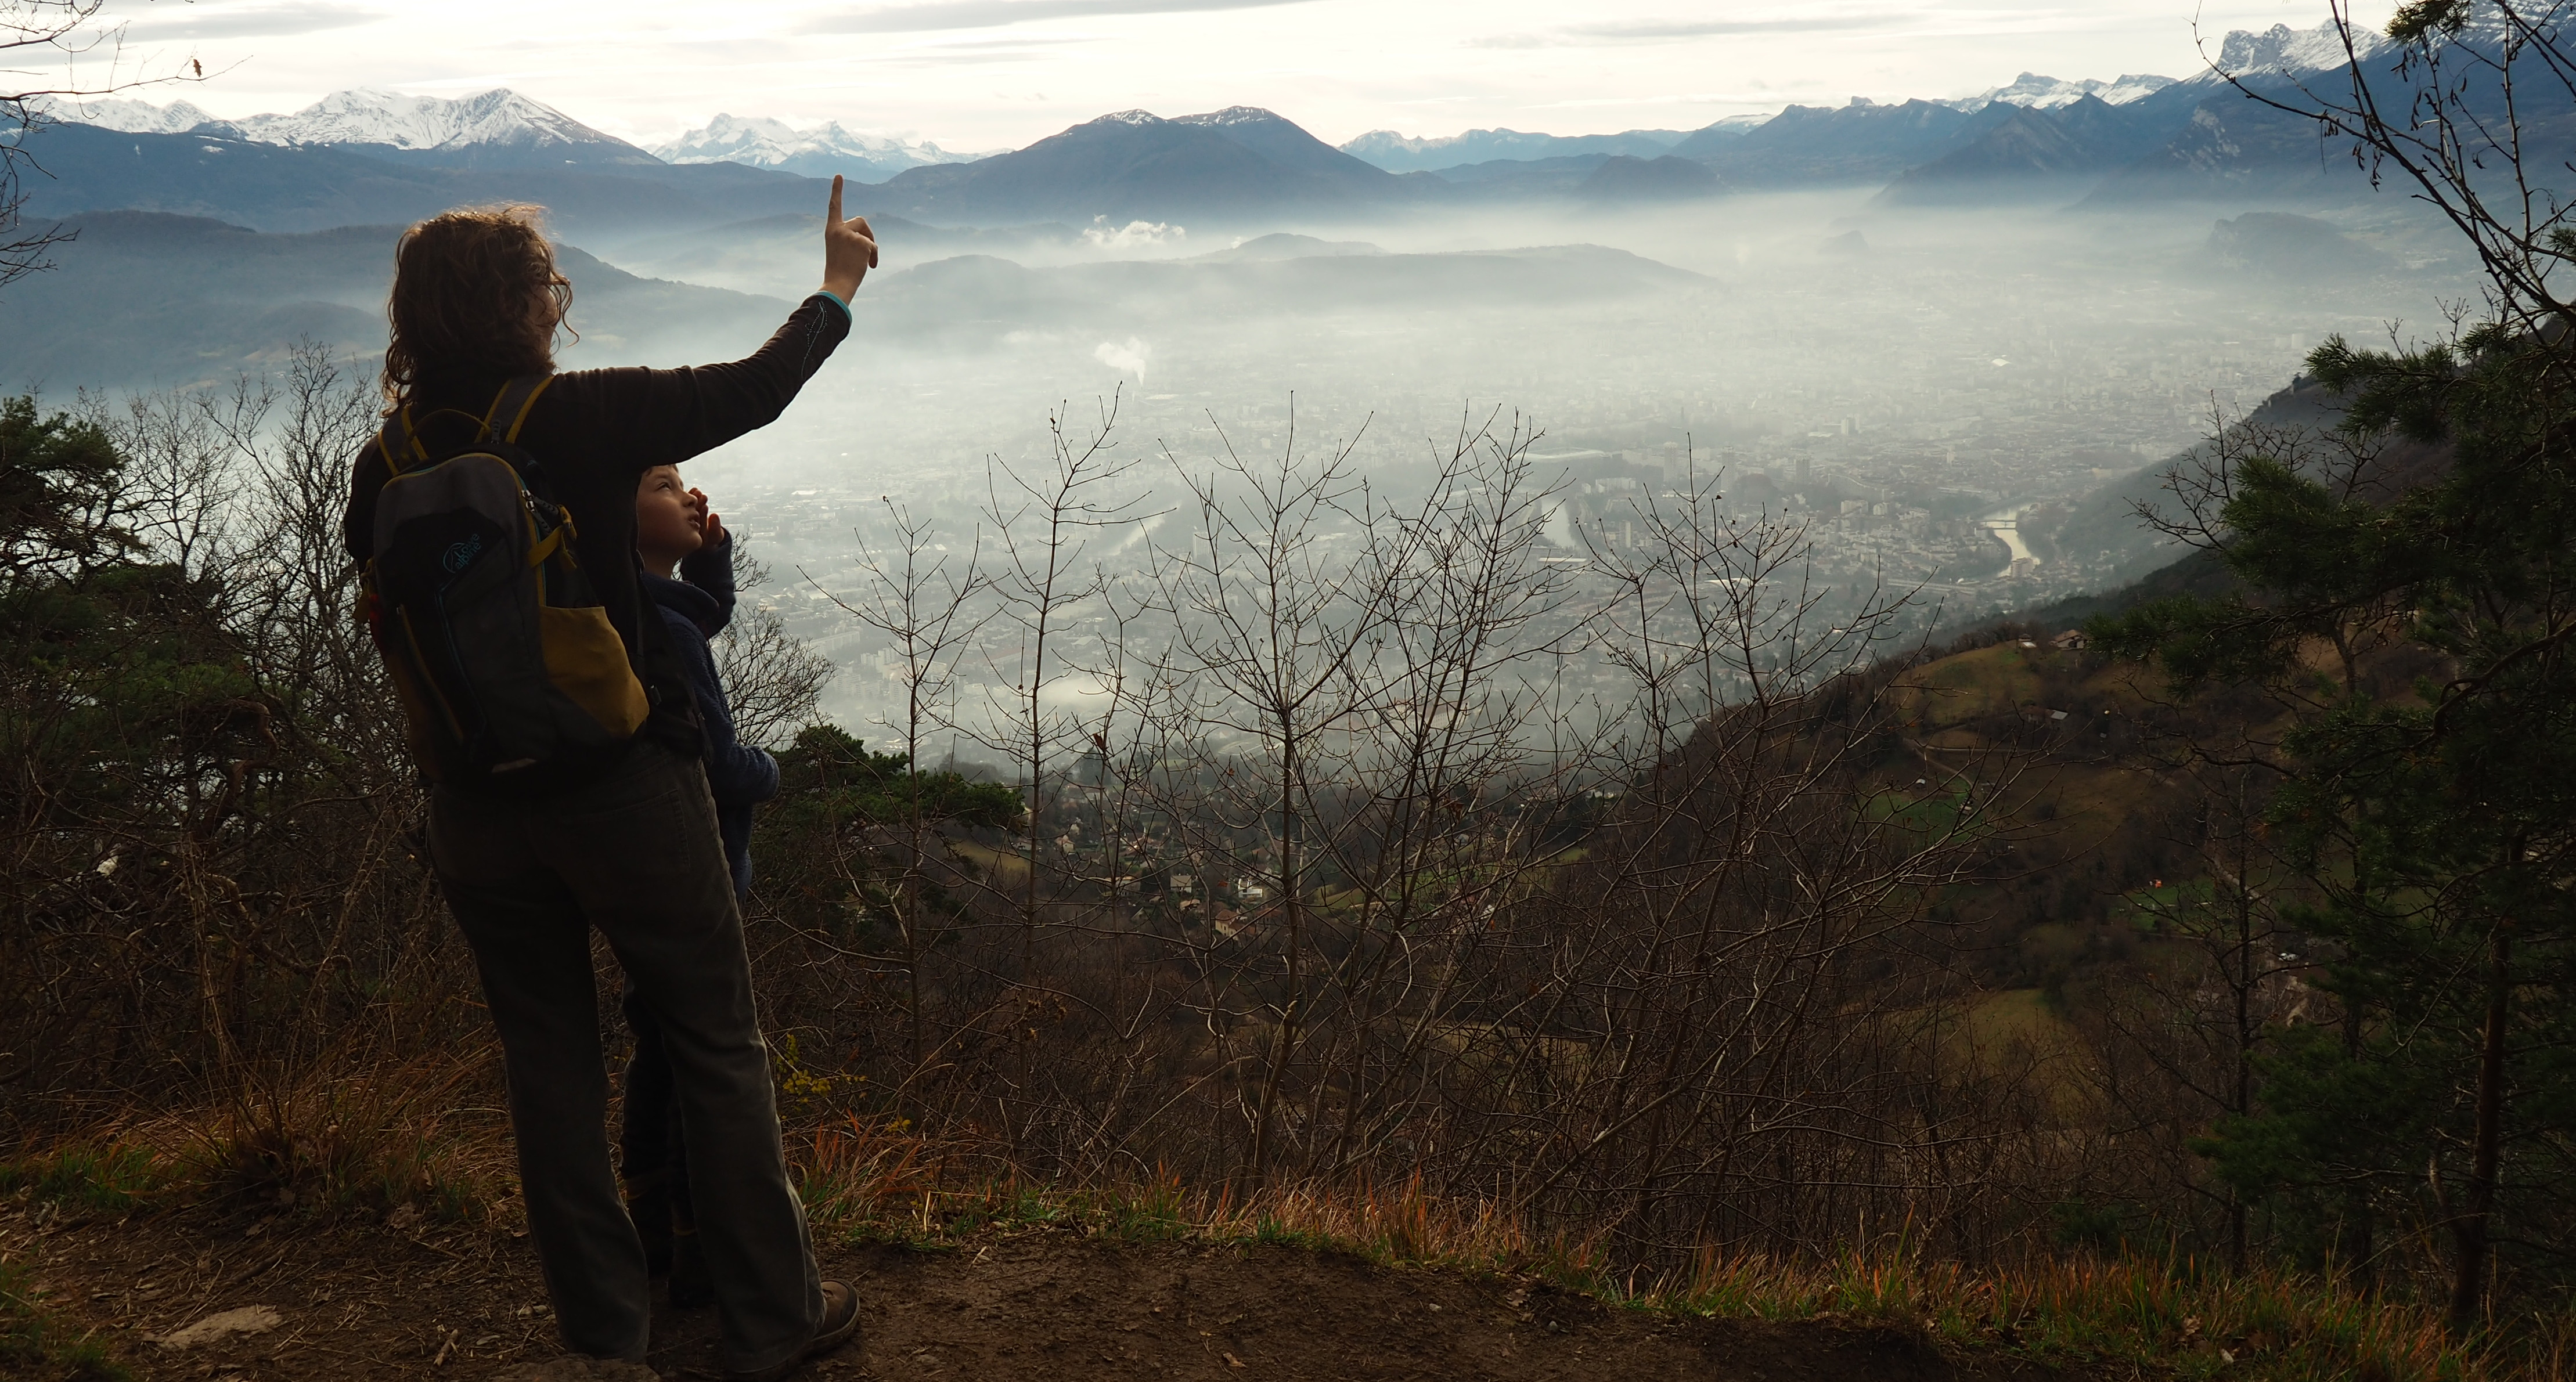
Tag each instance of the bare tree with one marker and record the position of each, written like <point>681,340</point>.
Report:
<point>42,43</point>
<point>773,681</point>
<point>1274,621</point>
<point>924,605</point>
<point>1044,520</point>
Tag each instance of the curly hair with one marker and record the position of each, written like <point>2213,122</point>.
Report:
<point>476,291</point>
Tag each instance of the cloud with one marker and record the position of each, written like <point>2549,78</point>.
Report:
<point>1712,28</point>
<point>987,14</point>
<point>264,21</point>
<point>1133,235</point>
<point>1657,30</point>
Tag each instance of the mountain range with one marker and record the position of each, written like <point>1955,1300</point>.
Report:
<point>2035,152</point>
<point>177,300</point>
<point>1397,153</point>
<point>182,300</point>
<point>1237,162</point>
<point>2032,89</point>
<point>360,157</point>
<point>286,187</point>
<point>760,142</point>
<point>496,129</point>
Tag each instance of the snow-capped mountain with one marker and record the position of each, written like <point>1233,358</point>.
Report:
<point>496,126</point>
<point>2048,93</point>
<point>761,142</point>
<point>2284,51</point>
<point>127,117</point>
<point>497,129</point>
<point>2277,51</point>
<point>1229,117</point>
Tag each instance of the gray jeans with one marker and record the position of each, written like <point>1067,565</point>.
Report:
<point>636,855</point>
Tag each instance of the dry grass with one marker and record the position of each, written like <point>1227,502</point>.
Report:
<point>2175,1316</point>
<point>876,1179</point>
<point>427,1134</point>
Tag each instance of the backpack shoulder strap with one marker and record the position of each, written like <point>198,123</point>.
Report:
<point>510,408</point>
<point>400,443</point>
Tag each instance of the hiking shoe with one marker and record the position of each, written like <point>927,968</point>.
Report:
<point>840,1325</point>
<point>692,1285</point>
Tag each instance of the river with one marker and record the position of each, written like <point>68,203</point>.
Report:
<point>2006,526</point>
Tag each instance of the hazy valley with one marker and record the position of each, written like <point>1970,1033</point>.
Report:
<point>1895,321</point>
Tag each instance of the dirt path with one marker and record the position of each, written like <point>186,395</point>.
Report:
<point>397,1302</point>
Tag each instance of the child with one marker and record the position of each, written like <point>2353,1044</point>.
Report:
<point>687,576</point>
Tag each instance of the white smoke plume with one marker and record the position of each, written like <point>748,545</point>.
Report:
<point>1128,359</point>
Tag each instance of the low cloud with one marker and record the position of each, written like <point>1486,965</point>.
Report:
<point>1135,235</point>
<point>987,14</point>
<point>251,21</point>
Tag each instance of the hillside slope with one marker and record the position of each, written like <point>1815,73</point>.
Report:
<point>285,188</point>
<point>1033,1303</point>
<point>2104,527</point>
<point>142,298</point>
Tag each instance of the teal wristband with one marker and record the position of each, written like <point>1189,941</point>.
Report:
<point>836,301</point>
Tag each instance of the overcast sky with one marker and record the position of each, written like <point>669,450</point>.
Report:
<point>975,74</point>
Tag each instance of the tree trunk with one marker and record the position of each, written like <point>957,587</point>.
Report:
<point>2245,1036</point>
<point>1295,938</point>
<point>2355,1242</point>
<point>2470,1227</point>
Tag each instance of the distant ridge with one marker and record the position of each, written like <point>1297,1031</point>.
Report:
<point>759,142</point>
<point>1287,144</point>
<point>2032,89</point>
<point>1398,153</point>
<point>2103,144</point>
<point>1266,248</point>
<point>2278,245</point>
<point>1649,180</point>
<point>1860,142</point>
<point>176,300</point>
<point>974,299</point>
<point>2037,151</point>
<point>1239,162</point>
<point>2234,150</point>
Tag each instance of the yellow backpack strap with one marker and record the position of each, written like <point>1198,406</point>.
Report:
<point>547,546</point>
<point>400,443</point>
<point>510,408</point>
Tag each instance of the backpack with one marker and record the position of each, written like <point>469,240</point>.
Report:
<point>510,675</point>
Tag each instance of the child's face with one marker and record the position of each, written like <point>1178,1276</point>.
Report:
<point>667,518</point>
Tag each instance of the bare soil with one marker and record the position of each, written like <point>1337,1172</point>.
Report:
<point>368,1301</point>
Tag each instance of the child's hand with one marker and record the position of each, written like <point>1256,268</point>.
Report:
<point>711,530</point>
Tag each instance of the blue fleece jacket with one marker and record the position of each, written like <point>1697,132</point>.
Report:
<point>695,608</point>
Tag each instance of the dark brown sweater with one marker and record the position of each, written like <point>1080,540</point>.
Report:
<point>595,433</point>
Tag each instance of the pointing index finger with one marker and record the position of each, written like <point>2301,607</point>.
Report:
<point>833,214</point>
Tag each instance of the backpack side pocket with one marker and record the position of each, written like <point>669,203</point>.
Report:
<point>586,661</point>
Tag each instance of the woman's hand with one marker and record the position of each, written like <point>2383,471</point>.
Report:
<point>849,248</point>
